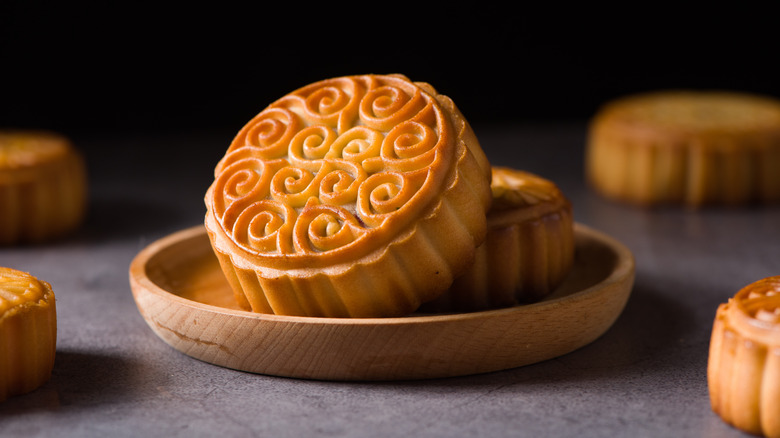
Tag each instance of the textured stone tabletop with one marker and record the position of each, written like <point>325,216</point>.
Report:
<point>646,377</point>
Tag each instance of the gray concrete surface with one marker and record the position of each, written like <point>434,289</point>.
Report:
<point>646,377</point>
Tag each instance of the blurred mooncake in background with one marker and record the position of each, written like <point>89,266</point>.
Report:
<point>43,187</point>
<point>685,147</point>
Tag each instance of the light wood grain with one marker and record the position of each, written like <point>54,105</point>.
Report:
<point>183,296</point>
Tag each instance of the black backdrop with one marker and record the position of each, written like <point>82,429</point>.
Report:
<point>75,67</point>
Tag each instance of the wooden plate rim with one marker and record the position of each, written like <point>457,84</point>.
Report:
<point>624,267</point>
<point>384,349</point>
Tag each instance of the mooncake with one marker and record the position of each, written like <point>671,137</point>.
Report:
<point>28,332</point>
<point>743,371</point>
<point>43,187</point>
<point>528,251</point>
<point>686,147</point>
<point>355,196</point>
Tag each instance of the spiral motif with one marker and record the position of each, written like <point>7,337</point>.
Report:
<point>243,176</point>
<point>323,228</point>
<point>271,132</point>
<point>338,164</point>
<point>264,226</point>
<point>341,182</point>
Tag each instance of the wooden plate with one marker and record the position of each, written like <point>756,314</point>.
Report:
<point>181,293</point>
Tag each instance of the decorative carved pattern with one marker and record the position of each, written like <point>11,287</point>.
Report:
<point>332,166</point>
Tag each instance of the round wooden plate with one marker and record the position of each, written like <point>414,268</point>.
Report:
<point>182,294</point>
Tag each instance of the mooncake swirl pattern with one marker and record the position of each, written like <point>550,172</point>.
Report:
<point>332,166</point>
<point>744,360</point>
<point>357,196</point>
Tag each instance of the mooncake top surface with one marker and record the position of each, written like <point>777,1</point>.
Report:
<point>334,169</point>
<point>24,149</point>
<point>18,288</point>
<point>693,110</point>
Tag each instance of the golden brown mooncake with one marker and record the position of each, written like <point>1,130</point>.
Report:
<point>744,360</point>
<point>42,187</point>
<point>528,251</point>
<point>356,196</point>
<point>28,332</point>
<point>686,147</point>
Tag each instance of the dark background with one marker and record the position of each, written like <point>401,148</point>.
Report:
<point>81,68</point>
